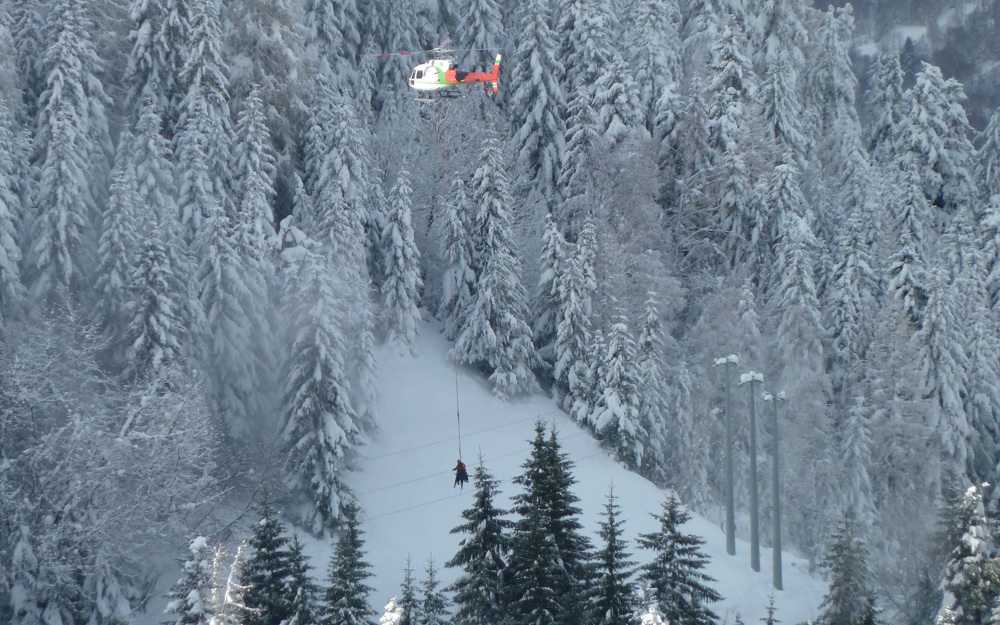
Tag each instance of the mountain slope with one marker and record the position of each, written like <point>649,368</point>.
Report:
<point>404,483</point>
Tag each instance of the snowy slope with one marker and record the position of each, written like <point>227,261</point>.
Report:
<point>404,484</point>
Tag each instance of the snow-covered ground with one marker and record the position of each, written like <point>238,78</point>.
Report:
<point>404,484</point>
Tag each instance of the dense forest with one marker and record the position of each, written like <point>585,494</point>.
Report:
<point>212,212</point>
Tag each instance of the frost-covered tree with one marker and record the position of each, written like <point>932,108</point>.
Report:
<point>191,598</point>
<point>478,591</point>
<point>616,103</point>
<point>481,28</point>
<point>972,575</point>
<point>908,279</point>
<point>402,284</point>
<point>654,56</point>
<point>434,607</point>
<point>345,601</point>
<point>11,289</point>
<point>548,572</point>
<point>459,279</point>
<point>158,36</point>
<point>334,35</point>
<point>536,105</point>
<point>887,106</point>
<point>856,459</point>
<point>572,358</point>
<point>653,389</point>
<point>493,333</point>
<point>545,309</point>
<point>204,128</point>
<point>847,598</point>
<point>585,30</point>
<point>71,152</point>
<point>408,603</point>
<point>320,422</point>
<point>119,242</point>
<point>615,417</point>
<point>300,588</point>
<point>613,602</point>
<point>783,110</point>
<point>266,570</point>
<point>988,157</point>
<point>674,575</point>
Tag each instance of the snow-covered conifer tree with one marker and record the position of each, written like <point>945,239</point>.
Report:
<point>536,106</point>
<point>493,333</point>
<point>908,280</point>
<point>402,284</point>
<point>481,28</point>
<point>972,575</point>
<point>11,290</point>
<point>576,178</point>
<point>850,577</point>
<point>265,572</point>
<point>459,279</point>
<point>478,591</point>
<point>119,243</point>
<point>653,389</point>
<point>654,56</point>
<point>586,44</point>
<point>334,36</point>
<point>546,307</point>
<point>408,603</point>
<point>190,600</point>
<point>674,575</point>
<point>856,460</point>
<point>616,102</point>
<point>345,601</point>
<point>886,107</point>
<point>783,109</point>
<point>572,359</point>
<point>614,600</point>
<point>988,157</point>
<point>393,614</point>
<point>434,607</point>
<point>72,149</point>
<point>157,58</point>
<point>300,588</point>
<point>615,417</point>
<point>319,425</point>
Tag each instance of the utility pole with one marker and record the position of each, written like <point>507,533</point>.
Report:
<point>734,361</point>
<point>751,378</point>
<point>775,493</point>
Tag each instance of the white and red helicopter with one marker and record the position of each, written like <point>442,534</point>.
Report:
<point>441,77</point>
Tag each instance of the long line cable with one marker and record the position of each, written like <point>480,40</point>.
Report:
<point>454,303</point>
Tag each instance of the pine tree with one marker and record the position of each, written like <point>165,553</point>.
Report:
<point>972,575</point>
<point>299,588</point>
<point>675,573</point>
<point>846,562</point>
<point>536,106</point>
<point>886,106</point>
<point>408,604</point>
<point>615,417</point>
<point>459,279</point>
<point>401,288</point>
<point>320,422</point>
<point>265,574</point>
<point>191,598</point>
<point>546,306</point>
<point>11,289</point>
<point>655,56</point>
<point>481,28</point>
<point>156,60</point>
<point>653,389</point>
<point>856,459</point>
<point>345,601</point>
<point>72,149</point>
<point>614,599</point>
<point>988,157</point>
<point>493,333</point>
<point>573,328</point>
<point>118,244</point>
<point>548,569</point>
<point>334,34</point>
<point>434,607</point>
<point>616,103</point>
<point>478,592</point>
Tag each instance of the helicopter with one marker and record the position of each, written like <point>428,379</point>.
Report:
<point>440,76</point>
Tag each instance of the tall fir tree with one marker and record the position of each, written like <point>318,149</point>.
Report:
<point>11,289</point>
<point>190,601</point>
<point>434,607</point>
<point>266,572</point>
<point>479,592</point>
<point>988,157</point>
<point>157,58</point>
<point>71,149</point>
<point>653,393</point>
<point>409,606</point>
<point>459,279</point>
<point>402,284</point>
<point>615,417</point>
<point>674,575</point>
<point>345,601</point>
<point>300,588</point>
<point>549,568</point>
<point>971,576</point>
<point>846,600</point>
<point>886,106</point>
<point>494,333</point>
<point>614,597</point>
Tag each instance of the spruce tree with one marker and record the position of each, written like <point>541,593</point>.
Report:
<point>675,573</point>
<point>191,598</point>
<point>434,607</point>
<point>266,573</point>
<point>494,334</point>
<point>971,576</point>
<point>846,562</point>
<point>408,605</point>
<point>459,279</point>
<point>653,392</point>
<point>345,601</point>
<point>478,591</point>
<point>402,284</point>
<point>988,157</point>
<point>549,568</point>
<point>300,590</point>
<point>614,597</point>
<point>11,289</point>
<point>615,417</point>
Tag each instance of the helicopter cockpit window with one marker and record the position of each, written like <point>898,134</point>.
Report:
<point>420,74</point>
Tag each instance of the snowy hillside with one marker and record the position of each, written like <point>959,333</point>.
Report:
<point>405,488</point>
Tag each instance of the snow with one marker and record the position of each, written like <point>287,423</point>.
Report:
<point>404,483</point>
<point>915,32</point>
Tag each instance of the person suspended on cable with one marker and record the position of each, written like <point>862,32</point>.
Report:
<point>461,475</point>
